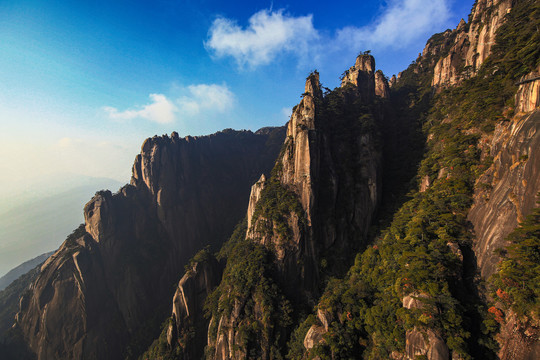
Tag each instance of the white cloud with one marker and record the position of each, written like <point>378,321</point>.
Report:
<point>400,24</point>
<point>161,110</point>
<point>217,98</point>
<point>201,98</point>
<point>268,34</point>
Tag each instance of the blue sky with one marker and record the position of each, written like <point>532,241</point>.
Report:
<point>83,83</point>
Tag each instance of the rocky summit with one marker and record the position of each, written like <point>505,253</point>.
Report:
<point>389,219</point>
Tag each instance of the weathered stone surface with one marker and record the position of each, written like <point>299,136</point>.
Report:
<point>254,197</point>
<point>510,189</point>
<point>102,289</point>
<point>519,340</point>
<point>425,183</point>
<point>414,301</point>
<point>314,336</point>
<point>416,345</point>
<point>381,85</point>
<point>528,94</point>
<point>472,42</point>
<point>188,322</point>
<point>362,76</point>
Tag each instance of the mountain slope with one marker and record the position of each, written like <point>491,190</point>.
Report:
<point>368,239</point>
<point>105,286</point>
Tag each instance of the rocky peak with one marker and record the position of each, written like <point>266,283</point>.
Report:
<point>462,25</point>
<point>365,63</point>
<point>313,85</point>
<point>472,42</point>
<point>393,81</point>
<point>361,74</point>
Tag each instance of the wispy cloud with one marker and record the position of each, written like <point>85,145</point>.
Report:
<point>201,98</point>
<point>401,23</point>
<point>268,34</point>
<point>160,110</point>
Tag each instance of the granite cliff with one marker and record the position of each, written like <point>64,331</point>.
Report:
<point>308,216</point>
<point>112,278</point>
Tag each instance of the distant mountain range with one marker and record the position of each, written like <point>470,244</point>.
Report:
<point>38,224</point>
<point>22,269</point>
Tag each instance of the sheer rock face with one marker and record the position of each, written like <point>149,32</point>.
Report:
<point>381,85</point>
<point>508,195</point>
<point>311,164</point>
<point>254,197</point>
<point>472,42</point>
<point>73,329</point>
<point>338,200</point>
<point>506,192</point>
<point>486,17</point>
<point>187,308</point>
<point>97,293</point>
<point>528,94</point>
<point>518,341</point>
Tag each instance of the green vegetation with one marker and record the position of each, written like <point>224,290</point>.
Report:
<point>422,242</point>
<point>159,349</point>
<point>260,309</point>
<point>275,206</point>
<point>517,284</point>
<point>201,256</point>
<point>420,253</point>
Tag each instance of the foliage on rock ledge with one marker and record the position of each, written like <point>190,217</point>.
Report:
<point>248,288</point>
<point>517,283</point>
<point>420,252</point>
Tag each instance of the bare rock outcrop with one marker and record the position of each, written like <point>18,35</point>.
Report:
<point>382,89</point>
<point>362,76</point>
<point>433,348</point>
<point>187,309</point>
<point>528,94</point>
<point>506,192</point>
<point>470,43</point>
<point>518,340</point>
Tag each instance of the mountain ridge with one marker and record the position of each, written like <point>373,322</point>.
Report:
<point>335,258</point>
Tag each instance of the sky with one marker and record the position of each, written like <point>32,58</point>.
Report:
<point>83,83</point>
